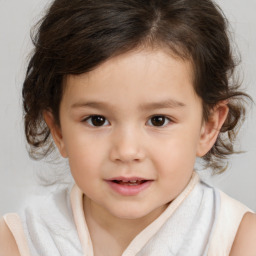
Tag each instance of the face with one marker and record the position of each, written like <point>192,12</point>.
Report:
<point>132,129</point>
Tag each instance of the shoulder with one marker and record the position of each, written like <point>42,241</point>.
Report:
<point>230,217</point>
<point>245,240</point>
<point>8,246</point>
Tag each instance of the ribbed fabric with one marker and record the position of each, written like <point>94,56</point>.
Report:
<point>82,229</point>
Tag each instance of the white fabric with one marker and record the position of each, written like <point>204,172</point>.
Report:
<point>228,219</point>
<point>49,226</point>
<point>139,242</point>
<point>187,227</point>
<point>82,229</point>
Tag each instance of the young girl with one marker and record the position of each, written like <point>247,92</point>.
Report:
<point>132,92</point>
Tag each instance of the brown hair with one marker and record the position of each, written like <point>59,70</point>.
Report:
<point>76,36</point>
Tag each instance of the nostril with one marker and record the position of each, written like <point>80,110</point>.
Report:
<point>126,154</point>
<point>126,149</point>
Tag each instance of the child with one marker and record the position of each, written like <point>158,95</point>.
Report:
<point>132,92</point>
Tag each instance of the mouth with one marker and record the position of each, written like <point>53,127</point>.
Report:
<point>129,186</point>
<point>129,182</point>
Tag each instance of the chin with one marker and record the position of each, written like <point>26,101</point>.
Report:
<point>130,214</point>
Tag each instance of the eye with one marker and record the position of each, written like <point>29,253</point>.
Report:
<point>158,121</point>
<point>96,121</point>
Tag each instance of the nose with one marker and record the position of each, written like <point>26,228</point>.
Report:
<point>127,146</point>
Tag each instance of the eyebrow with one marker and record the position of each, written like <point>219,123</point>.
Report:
<point>169,103</point>
<point>92,104</point>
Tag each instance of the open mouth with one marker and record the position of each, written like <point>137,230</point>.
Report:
<point>130,182</point>
<point>129,186</point>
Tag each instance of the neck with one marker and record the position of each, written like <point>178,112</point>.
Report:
<point>108,231</point>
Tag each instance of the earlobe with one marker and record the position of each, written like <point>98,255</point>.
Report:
<point>211,128</point>
<point>55,132</point>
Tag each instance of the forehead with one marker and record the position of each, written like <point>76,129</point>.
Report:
<point>142,73</point>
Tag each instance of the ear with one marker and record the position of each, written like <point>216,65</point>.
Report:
<point>211,128</point>
<point>55,132</point>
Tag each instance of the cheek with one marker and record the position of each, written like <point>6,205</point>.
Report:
<point>176,154</point>
<point>85,158</point>
<point>183,142</point>
<point>85,169</point>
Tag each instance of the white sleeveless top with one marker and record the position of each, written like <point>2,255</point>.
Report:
<point>200,221</point>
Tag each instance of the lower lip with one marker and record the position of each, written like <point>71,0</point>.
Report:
<point>129,190</point>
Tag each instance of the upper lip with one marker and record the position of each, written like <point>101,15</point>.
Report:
<point>126,179</point>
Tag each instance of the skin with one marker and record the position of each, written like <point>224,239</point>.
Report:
<point>127,92</point>
<point>8,246</point>
<point>244,243</point>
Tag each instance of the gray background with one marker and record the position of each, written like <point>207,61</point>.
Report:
<point>18,178</point>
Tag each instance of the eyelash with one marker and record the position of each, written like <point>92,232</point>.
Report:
<point>166,120</point>
<point>89,120</point>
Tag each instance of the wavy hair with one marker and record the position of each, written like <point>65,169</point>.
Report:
<point>76,36</point>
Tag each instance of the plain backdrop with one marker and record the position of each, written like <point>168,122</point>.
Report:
<point>18,173</point>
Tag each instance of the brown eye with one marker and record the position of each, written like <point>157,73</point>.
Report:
<point>158,121</point>
<point>97,121</point>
